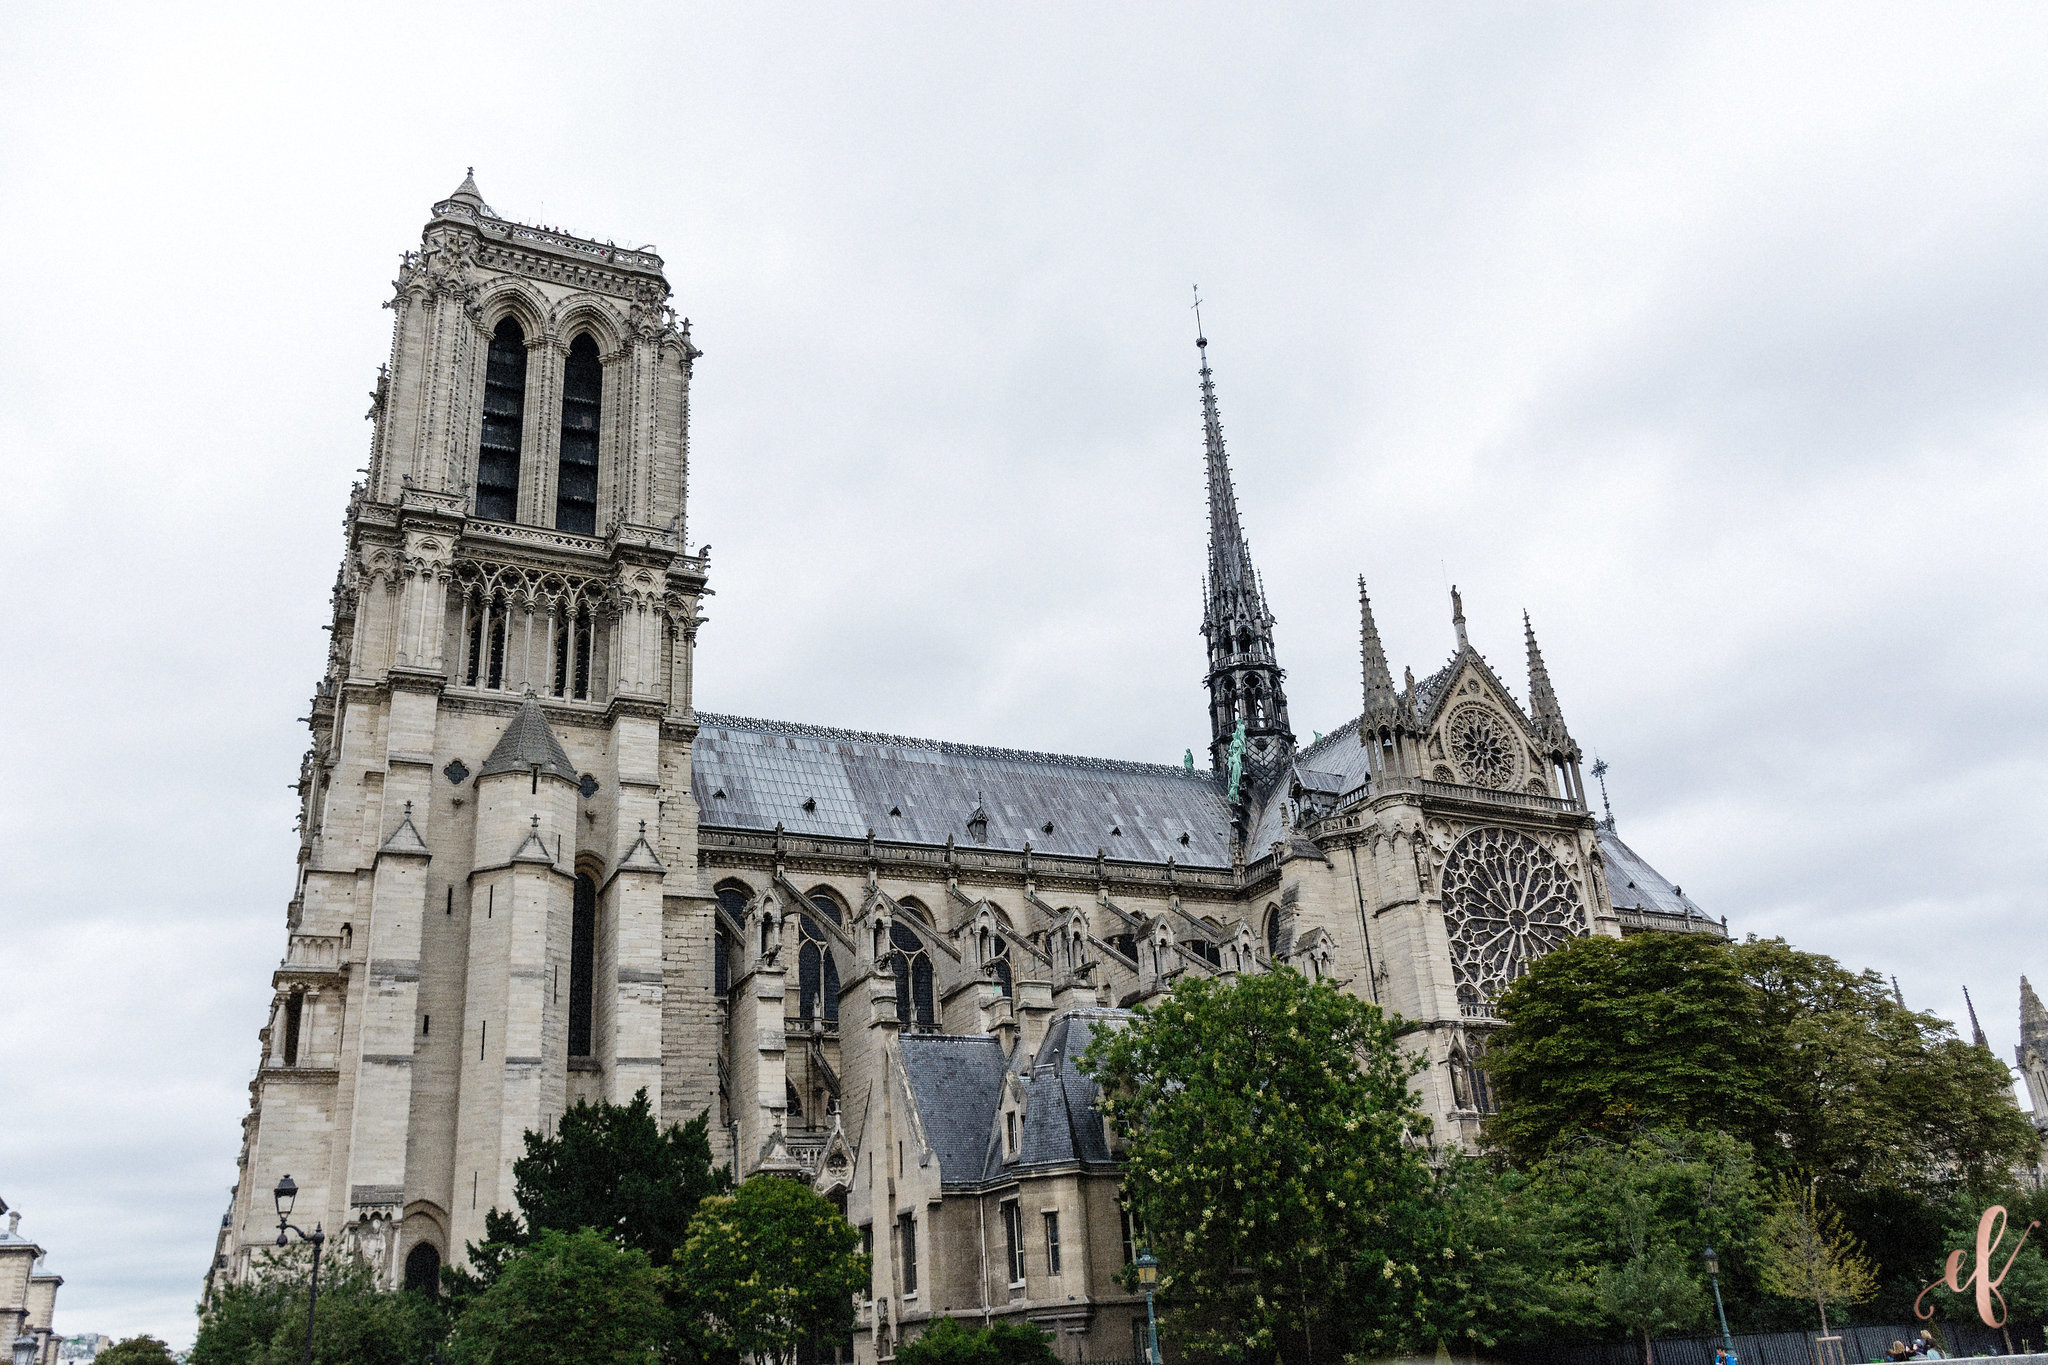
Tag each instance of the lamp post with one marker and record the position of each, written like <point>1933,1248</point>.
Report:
<point>1148,1278</point>
<point>286,1193</point>
<point>25,1344</point>
<point>1714,1274</point>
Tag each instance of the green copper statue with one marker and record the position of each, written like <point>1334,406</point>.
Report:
<point>1236,756</point>
<point>1189,760</point>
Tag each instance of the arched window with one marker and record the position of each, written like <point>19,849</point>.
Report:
<point>1002,964</point>
<point>827,904</point>
<point>582,964</point>
<point>497,461</point>
<point>571,624</point>
<point>423,1270</point>
<point>294,1014</point>
<point>817,974</point>
<point>913,966</point>
<point>1273,933</point>
<point>576,481</point>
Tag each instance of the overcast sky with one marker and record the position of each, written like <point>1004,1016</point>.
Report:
<point>1712,335</point>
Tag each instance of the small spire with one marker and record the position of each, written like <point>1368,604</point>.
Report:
<point>1543,707</point>
<point>1372,656</point>
<point>1458,619</point>
<point>1976,1029</point>
<point>1600,776</point>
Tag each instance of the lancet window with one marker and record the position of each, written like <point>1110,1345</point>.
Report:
<point>582,964</point>
<point>497,464</point>
<point>576,477</point>
<point>912,962</point>
<point>817,974</point>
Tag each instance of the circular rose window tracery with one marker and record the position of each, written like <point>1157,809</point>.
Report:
<point>1484,746</point>
<point>1507,901</point>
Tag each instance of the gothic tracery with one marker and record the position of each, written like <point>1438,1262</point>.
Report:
<point>1507,901</point>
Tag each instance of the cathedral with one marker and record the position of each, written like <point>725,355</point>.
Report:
<point>873,960</point>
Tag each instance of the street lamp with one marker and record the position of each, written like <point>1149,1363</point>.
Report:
<point>1148,1279</point>
<point>1714,1274</point>
<point>25,1345</point>
<point>286,1194</point>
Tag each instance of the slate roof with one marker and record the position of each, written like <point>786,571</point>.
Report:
<point>1062,1123</point>
<point>1635,885</point>
<point>754,774</point>
<point>957,1084</point>
<point>529,740</point>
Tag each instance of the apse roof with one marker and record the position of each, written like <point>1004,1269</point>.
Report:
<point>755,774</point>
<point>1635,885</point>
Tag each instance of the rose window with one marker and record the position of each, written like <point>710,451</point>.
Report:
<point>1483,745</point>
<point>1507,902</point>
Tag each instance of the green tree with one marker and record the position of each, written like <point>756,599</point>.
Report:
<point>143,1350</point>
<point>2018,1258</point>
<point>1269,1149</point>
<point>1805,1253</point>
<point>263,1321</point>
<point>1652,1288</point>
<point>950,1342</point>
<point>567,1296</point>
<point>770,1267</point>
<point>1818,1068</point>
<point>1609,1036</point>
<point>609,1167</point>
<point>1869,1092</point>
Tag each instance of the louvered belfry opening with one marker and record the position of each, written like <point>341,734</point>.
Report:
<point>582,395</point>
<point>497,466</point>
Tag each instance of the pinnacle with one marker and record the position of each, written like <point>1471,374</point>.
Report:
<point>467,190</point>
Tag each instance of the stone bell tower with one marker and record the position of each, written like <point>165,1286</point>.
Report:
<point>496,910</point>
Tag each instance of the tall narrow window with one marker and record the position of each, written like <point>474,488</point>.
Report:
<point>1013,1237</point>
<point>497,463</point>
<point>913,965</point>
<point>1052,1243</point>
<point>582,964</point>
<point>810,968</point>
<point>294,1010</point>
<point>576,484</point>
<point>906,1232</point>
<point>867,1249</point>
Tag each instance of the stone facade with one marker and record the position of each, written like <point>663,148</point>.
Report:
<point>530,871</point>
<point>28,1294</point>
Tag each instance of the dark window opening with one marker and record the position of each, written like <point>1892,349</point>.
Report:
<point>582,964</point>
<point>497,464</point>
<point>1130,1233</point>
<point>906,1233</point>
<point>1013,1237</point>
<point>576,484</point>
<point>294,1010</point>
<point>913,967</point>
<point>721,963</point>
<point>423,1270</point>
<point>817,974</point>
<point>573,634</point>
<point>1052,1243</point>
<point>826,906</point>
<point>867,1249</point>
<point>1273,935</point>
<point>732,899</point>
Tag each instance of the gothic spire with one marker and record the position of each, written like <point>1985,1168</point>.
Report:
<point>1381,701</point>
<point>1976,1029</point>
<point>2033,1019</point>
<point>1230,559</point>
<point>1543,707</point>
<point>1245,678</point>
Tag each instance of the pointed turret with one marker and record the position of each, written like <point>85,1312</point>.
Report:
<point>1386,729</point>
<point>1381,701</point>
<point>2033,1019</point>
<point>467,191</point>
<point>529,743</point>
<point>1245,679</point>
<point>1543,707</point>
<point>2032,1053</point>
